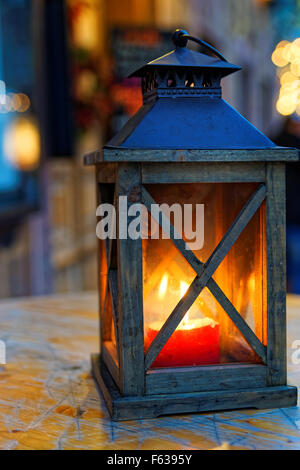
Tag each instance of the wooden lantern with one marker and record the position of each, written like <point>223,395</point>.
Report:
<point>187,145</point>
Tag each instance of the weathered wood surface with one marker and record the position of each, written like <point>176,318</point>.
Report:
<point>205,173</point>
<point>48,399</point>
<point>279,154</point>
<point>276,274</point>
<point>205,378</point>
<point>130,280</point>
<point>127,408</point>
<point>110,358</point>
<point>106,173</point>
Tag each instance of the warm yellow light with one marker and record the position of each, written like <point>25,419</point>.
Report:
<point>289,95</point>
<point>287,77</point>
<point>86,84</point>
<point>21,144</point>
<point>183,288</point>
<point>251,283</point>
<point>286,106</point>
<point>282,44</point>
<point>278,57</point>
<point>295,67</point>
<point>186,320</point>
<point>295,49</point>
<point>163,286</point>
<point>287,52</point>
<point>289,92</point>
<point>86,28</point>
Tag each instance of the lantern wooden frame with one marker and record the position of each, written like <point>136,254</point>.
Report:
<point>129,388</point>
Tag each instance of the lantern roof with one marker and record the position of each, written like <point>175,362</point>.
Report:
<point>183,57</point>
<point>183,106</point>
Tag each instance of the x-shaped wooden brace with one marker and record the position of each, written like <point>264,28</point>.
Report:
<point>204,278</point>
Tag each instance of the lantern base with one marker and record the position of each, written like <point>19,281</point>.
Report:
<point>152,406</point>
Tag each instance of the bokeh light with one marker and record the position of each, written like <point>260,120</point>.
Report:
<point>21,144</point>
<point>15,102</point>
<point>286,57</point>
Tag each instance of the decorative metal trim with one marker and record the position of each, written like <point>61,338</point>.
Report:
<point>182,92</point>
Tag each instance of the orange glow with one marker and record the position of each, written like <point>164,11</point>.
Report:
<point>167,278</point>
<point>195,341</point>
<point>251,283</point>
<point>21,144</point>
<point>129,97</point>
<point>86,28</point>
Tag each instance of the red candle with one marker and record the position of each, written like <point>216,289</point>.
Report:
<point>192,344</point>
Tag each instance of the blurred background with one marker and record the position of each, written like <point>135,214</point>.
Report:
<point>63,94</point>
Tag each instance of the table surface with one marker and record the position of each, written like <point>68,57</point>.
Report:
<point>48,399</point>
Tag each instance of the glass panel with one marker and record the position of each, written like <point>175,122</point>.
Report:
<point>108,329</point>
<point>102,274</point>
<point>206,335</point>
<point>241,278</point>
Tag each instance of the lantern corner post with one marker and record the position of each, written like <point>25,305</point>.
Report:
<point>276,276</point>
<point>130,284</point>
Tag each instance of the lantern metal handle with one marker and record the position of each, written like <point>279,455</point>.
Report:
<point>181,37</point>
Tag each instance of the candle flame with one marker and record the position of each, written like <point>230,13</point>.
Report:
<point>187,323</point>
<point>163,286</point>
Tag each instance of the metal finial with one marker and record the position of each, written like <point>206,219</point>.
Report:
<point>179,38</point>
